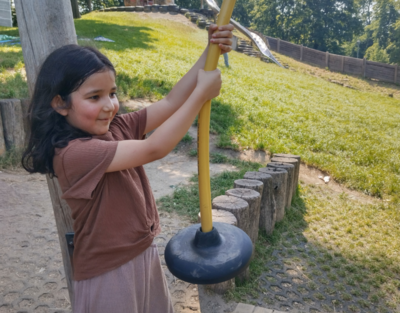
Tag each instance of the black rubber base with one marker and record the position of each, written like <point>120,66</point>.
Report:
<point>208,258</point>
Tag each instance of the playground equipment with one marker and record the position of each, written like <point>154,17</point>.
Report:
<point>217,252</point>
<point>257,40</point>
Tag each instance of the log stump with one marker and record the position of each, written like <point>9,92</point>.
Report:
<point>253,198</point>
<point>279,181</point>
<point>13,124</point>
<point>290,181</point>
<point>27,125</point>
<point>296,164</point>
<point>267,207</point>
<point>222,217</point>
<point>240,209</point>
<point>2,141</point>
<point>250,184</point>
<point>292,156</point>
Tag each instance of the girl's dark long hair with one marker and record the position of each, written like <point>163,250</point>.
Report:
<point>62,73</point>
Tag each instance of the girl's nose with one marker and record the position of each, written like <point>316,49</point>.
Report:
<point>108,105</point>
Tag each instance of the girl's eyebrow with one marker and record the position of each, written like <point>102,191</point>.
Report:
<point>98,90</point>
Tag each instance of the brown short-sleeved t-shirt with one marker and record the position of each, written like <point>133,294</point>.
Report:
<point>115,216</point>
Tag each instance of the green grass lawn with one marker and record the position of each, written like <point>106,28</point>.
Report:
<point>351,134</point>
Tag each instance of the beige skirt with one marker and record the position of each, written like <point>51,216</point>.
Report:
<point>138,286</point>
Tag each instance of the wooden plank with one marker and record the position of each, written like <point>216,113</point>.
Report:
<point>5,13</point>
<point>301,53</point>
<point>327,59</point>
<point>364,66</point>
<point>5,22</point>
<point>395,74</point>
<point>278,45</point>
<point>343,59</point>
<point>313,56</point>
<point>382,73</point>
<point>42,32</point>
<point>5,5</point>
<point>289,49</point>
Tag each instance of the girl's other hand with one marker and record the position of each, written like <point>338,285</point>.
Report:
<point>209,83</point>
<point>222,36</point>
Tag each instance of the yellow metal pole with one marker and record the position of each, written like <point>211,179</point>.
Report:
<point>204,127</point>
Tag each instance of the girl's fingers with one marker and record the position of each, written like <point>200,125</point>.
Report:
<point>222,34</point>
<point>229,27</point>
<point>224,41</point>
<point>225,49</point>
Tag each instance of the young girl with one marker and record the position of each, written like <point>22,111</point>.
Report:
<point>97,157</point>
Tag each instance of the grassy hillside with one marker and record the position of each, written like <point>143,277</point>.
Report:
<point>351,134</point>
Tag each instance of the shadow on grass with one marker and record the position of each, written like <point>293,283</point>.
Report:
<point>125,37</point>
<point>291,271</point>
<point>9,31</point>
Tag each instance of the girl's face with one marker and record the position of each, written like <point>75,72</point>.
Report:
<point>94,104</point>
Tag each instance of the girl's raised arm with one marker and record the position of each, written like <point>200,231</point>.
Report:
<point>160,111</point>
<point>133,153</point>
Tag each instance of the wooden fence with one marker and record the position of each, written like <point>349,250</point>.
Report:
<point>338,63</point>
<point>5,13</point>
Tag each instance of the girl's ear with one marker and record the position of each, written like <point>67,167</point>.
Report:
<point>59,106</point>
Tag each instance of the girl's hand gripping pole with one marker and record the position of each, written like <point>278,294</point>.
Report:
<point>204,127</point>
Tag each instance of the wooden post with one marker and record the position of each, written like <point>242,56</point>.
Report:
<point>395,73</point>
<point>2,141</point>
<point>290,168</point>
<point>288,158</point>
<point>250,184</point>
<point>240,209</point>
<point>343,59</point>
<point>45,25</point>
<point>267,207</point>
<point>327,59</point>
<point>278,45</point>
<point>279,181</point>
<point>75,9</point>
<point>13,124</point>
<point>301,53</point>
<point>253,198</point>
<point>364,67</point>
<point>222,216</point>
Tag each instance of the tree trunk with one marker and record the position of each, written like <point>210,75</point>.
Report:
<point>89,4</point>
<point>13,124</point>
<point>75,9</point>
<point>44,26</point>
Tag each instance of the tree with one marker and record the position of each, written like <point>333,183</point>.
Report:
<point>384,33</point>
<point>319,24</point>
<point>75,9</point>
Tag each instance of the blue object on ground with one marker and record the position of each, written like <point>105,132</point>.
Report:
<point>101,38</point>
<point>226,59</point>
